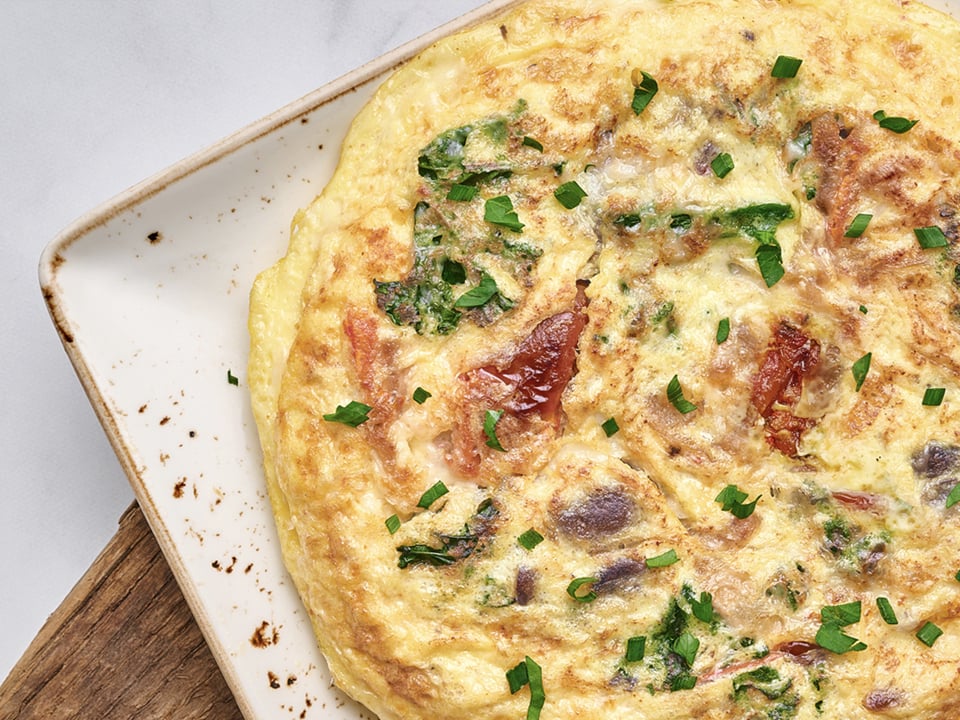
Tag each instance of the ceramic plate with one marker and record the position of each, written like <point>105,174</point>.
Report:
<point>149,295</point>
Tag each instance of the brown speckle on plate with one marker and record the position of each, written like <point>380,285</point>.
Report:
<point>264,636</point>
<point>154,237</point>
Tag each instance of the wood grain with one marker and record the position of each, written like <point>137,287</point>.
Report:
<point>123,644</point>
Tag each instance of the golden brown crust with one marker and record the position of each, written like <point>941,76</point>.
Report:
<point>610,310</point>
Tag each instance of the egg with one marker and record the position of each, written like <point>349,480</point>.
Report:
<point>615,371</point>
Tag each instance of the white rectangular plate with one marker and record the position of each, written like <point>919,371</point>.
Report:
<point>149,294</point>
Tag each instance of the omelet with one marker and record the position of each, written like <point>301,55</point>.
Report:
<point>615,372</point>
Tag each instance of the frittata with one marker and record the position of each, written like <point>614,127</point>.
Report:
<point>615,372</point>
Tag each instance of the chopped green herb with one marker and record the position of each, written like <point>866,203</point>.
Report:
<point>453,272</point>
<point>644,88</point>
<point>929,633</point>
<point>569,194</point>
<point>530,539</point>
<point>957,576</point>
<point>531,142</point>
<point>703,608</point>
<point>480,295</point>
<point>860,369</point>
<point>499,211</point>
<point>636,648</point>
<point>930,237</point>
<point>353,414</point>
<point>858,225</point>
<point>573,589</point>
<point>675,396</point>
<point>681,221</point>
<point>438,490</point>
<point>232,379</point>
<point>898,125</point>
<point>764,679</point>
<point>723,330</point>
<point>933,396</point>
<point>663,560</point>
<point>421,554</point>
<point>721,165</point>
<point>886,611</point>
<point>462,193</point>
<point>759,222</point>
<point>686,646</point>
<point>954,497</point>
<point>420,396</point>
<point>785,67</point>
<point>610,427</point>
<point>490,420</point>
<point>684,681</point>
<point>831,637</point>
<point>863,309</point>
<point>528,673</point>
<point>444,160</point>
<point>731,500</point>
<point>392,523</point>
<point>770,262</point>
<point>517,677</point>
<point>841,615</point>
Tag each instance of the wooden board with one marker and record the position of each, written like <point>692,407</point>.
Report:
<point>123,644</point>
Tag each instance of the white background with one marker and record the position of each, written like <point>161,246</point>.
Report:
<point>95,96</point>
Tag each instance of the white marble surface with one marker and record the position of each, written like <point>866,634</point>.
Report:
<point>96,95</point>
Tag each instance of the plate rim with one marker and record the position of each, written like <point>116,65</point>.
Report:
<point>52,258</point>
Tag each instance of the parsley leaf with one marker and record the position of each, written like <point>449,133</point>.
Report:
<point>353,414</point>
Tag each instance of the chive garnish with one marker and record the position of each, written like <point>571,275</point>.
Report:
<point>490,420</point>
<point>479,295</point>
<point>569,194</point>
<point>721,165</point>
<point>686,646</point>
<point>898,125</point>
<point>770,262</point>
<point>392,523</point>
<point>533,143</point>
<point>420,396</point>
<point>663,560</point>
<point>462,193</point>
<point>530,539</point>
<point>610,427</point>
<point>785,67</point>
<point>573,589</point>
<point>232,379</point>
<point>676,398</point>
<point>929,633</point>
<point>353,414</point>
<point>703,608</point>
<point>933,396</point>
<point>954,497</point>
<point>731,500</point>
<point>723,330</point>
<point>858,225</point>
<point>437,491</point>
<point>528,673</point>
<point>636,648</point>
<point>930,237</point>
<point>499,211</point>
<point>860,369</point>
<point>841,615</point>
<point>644,88</point>
<point>831,637</point>
<point>886,611</point>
